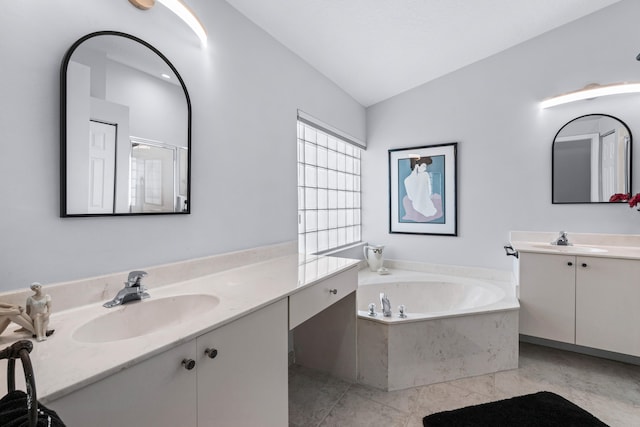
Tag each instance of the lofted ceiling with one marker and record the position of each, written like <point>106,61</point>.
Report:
<point>375,49</point>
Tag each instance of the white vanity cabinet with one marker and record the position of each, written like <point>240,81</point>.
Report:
<point>608,304</point>
<point>588,301</point>
<point>156,392</point>
<point>547,296</point>
<point>244,384</point>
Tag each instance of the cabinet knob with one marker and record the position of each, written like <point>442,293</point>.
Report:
<point>188,364</point>
<point>333,291</point>
<point>211,353</point>
<point>584,264</point>
<point>569,263</point>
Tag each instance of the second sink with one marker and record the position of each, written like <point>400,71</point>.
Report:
<point>571,249</point>
<point>145,317</point>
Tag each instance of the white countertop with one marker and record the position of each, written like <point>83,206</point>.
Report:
<point>62,364</point>
<point>625,252</point>
<point>625,246</point>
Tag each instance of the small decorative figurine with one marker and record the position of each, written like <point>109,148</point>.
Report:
<point>39,309</point>
<point>14,313</point>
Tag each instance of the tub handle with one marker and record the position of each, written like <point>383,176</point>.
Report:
<point>372,310</point>
<point>510,251</point>
<point>402,309</point>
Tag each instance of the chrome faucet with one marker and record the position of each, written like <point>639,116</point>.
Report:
<point>562,240</point>
<point>386,305</point>
<point>133,290</point>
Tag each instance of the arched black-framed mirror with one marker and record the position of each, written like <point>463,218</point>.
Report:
<point>125,129</point>
<point>591,160</point>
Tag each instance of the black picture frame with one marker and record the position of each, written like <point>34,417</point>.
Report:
<point>423,193</point>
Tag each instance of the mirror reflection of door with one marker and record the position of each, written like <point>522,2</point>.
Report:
<point>609,160</point>
<point>591,160</point>
<point>573,166</point>
<point>102,167</point>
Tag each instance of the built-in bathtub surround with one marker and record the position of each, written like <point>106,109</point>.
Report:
<point>459,324</point>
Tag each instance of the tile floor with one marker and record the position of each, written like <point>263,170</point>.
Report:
<point>609,390</point>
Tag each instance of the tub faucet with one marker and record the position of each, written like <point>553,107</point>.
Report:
<point>562,240</point>
<point>386,305</point>
<point>133,290</point>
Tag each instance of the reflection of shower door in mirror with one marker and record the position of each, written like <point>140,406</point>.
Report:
<point>154,177</point>
<point>182,203</point>
<point>102,166</point>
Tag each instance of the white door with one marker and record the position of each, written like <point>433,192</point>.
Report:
<point>609,159</point>
<point>102,166</point>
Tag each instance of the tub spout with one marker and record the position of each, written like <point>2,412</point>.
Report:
<point>386,305</point>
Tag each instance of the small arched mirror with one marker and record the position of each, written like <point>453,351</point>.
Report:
<point>591,160</point>
<point>125,129</point>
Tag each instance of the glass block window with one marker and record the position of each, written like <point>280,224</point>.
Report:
<point>329,213</point>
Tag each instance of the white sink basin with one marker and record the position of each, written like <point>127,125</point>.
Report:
<point>572,248</point>
<point>136,319</point>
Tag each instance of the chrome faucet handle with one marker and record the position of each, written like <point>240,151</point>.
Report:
<point>402,309</point>
<point>562,240</point>
<point>135,278</point>
<point>372,310</point>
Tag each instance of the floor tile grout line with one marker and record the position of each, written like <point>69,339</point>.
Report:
<point>385,405</point>
<point>334,405</point>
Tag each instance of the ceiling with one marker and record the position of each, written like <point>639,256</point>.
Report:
<point>375,49</point>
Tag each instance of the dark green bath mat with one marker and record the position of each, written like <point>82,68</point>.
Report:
<point>543,409</point>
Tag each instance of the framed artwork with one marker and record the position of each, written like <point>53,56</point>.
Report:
<point>423,190</point>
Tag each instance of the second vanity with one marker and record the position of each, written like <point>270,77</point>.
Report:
<point>586,294</point>
<point>222,359</point>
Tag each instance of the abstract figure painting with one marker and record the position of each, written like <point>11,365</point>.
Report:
<point>422,190</point>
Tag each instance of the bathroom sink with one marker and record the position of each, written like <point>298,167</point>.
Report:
<point>572,248</point>
<point>136,319</point>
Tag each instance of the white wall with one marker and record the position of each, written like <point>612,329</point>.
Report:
<point>504,152</point>
<point>158,109</point>
<point>245,90</point>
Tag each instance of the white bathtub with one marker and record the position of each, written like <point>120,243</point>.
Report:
<point>456,327</point>
<point>431,296</point>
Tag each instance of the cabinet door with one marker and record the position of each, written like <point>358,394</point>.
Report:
<point>156,392</point>
<point>607,304</point>
<point>547,296</point>
<point>246,383</point>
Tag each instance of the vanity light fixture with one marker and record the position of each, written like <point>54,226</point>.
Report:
<point>143,4</point>
<point>591,91</point>
<point>183,11</point>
